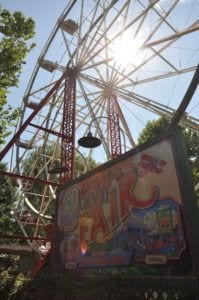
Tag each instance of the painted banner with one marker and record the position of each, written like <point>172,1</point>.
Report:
<point>125,214</point>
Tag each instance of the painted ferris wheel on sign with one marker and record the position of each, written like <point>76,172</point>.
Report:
<point>107,68</point>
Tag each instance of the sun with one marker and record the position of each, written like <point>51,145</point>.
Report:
<point>127,50</point>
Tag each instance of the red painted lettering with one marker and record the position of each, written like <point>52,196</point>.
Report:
<point>127,195</point>
<point>99,222</point>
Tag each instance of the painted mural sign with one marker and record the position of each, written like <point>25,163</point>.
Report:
<point>125,214</point>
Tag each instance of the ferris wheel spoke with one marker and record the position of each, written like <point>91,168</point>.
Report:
<point>37,91</point>
<point>108,48</point>
<point>83,107</point>
<point>80,29</point>
<point>125,125</point>
<point>97,42</point>
<point>127,26</point>
<point>175,36</point>
<point>157,108</point>
<point>89,37</point>
<point>93,117</point>
<point>96,64</point>
<point>164,59</point>
<point>123,71</point>
<point>162,76</point>
<point>100,114</point>
<point>71,57</point>
<point>166,14</point>
<point>84,43</point>
<point>146,61</point>
<point>163,19</point>
<point>94,24</point>
<point>161,44</point>
<point>85,119</point>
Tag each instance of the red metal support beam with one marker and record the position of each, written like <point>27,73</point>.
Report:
<point>68,126</point>
<point>46,130</point>
<point>31,117</point>
<point>114,127</point>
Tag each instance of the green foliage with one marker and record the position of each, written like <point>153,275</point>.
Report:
<point>152,129</point>
<point>15,31</point>
<point>8,117</point>
<point>39,160</point>
<point>37,164</point>
<point>83,165</point>
<point>7,198</point>
<point>11,285</point>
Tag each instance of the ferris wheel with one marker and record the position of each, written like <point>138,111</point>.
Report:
<point>107,68</point>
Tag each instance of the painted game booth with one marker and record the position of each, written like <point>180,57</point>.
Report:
<point>136,214</point>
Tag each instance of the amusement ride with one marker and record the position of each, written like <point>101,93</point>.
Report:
<point>106,69</point>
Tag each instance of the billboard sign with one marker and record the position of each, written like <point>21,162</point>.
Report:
<point>126,213</point>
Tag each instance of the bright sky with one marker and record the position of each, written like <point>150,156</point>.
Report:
<point>45,14</point>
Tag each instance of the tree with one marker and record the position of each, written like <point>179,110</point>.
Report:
<point>15,32</point>
<point>8,118</point>
<point>37,164</point>
<point>7,194</point>
<point>152,129</point>
<point>155,127</point>
<point>44,163</point>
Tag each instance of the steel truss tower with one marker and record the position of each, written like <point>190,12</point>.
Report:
<point>68,127</point>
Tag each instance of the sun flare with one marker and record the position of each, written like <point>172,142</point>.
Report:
<point>127,50</point>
